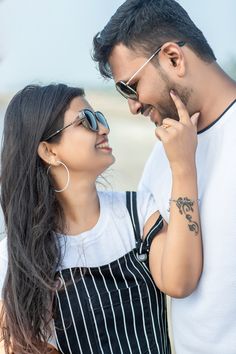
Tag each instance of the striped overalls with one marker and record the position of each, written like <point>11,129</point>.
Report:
<point>115,308</point>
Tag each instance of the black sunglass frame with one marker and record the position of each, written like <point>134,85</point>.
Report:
<point>82,117</point>
<point>131,92</point>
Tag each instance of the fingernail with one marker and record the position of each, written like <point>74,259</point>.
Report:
<point>172,92</point>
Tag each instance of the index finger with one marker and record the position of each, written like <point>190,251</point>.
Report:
<point>181,108</point>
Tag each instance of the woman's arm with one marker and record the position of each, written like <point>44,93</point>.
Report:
<point>175,258</point>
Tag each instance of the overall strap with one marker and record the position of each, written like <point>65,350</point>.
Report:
<point>145,245</point>
<point>142,246</point>
<point>131,204</point>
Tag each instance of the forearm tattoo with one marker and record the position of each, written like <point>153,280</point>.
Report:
<point>185,206</point>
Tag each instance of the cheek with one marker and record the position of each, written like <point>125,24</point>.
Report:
<point>148,93</point>
<point>76,148</point>
<point>79,153</point>
<point>150,89</point>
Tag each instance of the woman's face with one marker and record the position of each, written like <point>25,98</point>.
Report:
<point>81,149</point>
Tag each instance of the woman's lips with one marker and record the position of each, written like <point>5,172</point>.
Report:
<point>104,145</point>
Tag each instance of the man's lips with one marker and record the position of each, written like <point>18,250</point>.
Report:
<point>152,113</point>
<point>145,110</point>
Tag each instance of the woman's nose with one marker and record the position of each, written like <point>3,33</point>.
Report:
<point>134,106</point>
<point>102,129</point>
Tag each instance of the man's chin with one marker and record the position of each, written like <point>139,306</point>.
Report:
<point>170,114</point>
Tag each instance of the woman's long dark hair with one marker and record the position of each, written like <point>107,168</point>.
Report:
<point>32,214</point>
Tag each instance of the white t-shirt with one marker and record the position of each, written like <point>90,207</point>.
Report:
<point>205,322</point>
<point>111,238</point>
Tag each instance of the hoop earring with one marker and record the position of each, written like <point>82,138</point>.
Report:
<point>68,177</point>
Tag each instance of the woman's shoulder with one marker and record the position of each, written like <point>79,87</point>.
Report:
<point>143,198</point>
<point>112,197</point>
<point>121,195</point>
<point>113,204</point>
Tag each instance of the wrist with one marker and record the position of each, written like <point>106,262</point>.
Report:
<point>184,170</point>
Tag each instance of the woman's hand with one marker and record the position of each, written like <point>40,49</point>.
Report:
<point>179,138</point>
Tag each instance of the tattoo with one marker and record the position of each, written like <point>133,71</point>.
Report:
<point>185,206</point>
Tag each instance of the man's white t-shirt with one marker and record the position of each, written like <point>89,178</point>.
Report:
<point>205,321</point>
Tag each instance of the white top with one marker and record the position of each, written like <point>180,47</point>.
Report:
<point>205,322</point>
<point>111,238</point>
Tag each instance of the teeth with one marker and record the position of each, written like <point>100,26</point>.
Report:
<point>102,146</point>
<point>151,110</point>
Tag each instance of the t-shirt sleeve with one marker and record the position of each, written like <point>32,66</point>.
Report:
<point>3,263</point>
<point>146,205</point>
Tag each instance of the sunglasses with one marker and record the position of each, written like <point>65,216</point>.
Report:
<point>129,91</point>
<point>88,119</point>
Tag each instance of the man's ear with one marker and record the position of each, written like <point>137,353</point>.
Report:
<point>47,153</point>
<point>175,59</point>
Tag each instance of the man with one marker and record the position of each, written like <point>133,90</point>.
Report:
<point>151,47</point>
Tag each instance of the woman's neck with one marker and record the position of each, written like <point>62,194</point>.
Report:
<point>81,207</point>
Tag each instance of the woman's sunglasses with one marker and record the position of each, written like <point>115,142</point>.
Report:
<point>88,119</point>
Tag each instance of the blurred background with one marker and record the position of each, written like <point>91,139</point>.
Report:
<point>45,41</point>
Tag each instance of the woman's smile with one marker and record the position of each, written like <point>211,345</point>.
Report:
<point>104,145</point>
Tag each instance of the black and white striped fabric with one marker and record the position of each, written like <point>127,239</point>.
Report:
<point>115,308</point>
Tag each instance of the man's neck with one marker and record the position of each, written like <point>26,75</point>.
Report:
<point>218,91</point>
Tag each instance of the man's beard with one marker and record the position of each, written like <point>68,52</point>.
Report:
<point>166,106</point>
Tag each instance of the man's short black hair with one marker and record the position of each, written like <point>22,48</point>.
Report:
<point>144,25</point>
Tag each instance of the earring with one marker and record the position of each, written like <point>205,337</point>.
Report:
<point>68,177</point>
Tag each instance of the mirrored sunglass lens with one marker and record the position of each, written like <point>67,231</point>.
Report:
<point>102,119</point>
<point>91,120</point>
<point>126,91</point>
<point>123,89</point>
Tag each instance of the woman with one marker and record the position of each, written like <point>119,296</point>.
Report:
<point>83,271</point>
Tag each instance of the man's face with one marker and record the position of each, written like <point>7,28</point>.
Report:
<point>152,83</point>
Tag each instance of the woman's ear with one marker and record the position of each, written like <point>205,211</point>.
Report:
<point>47,153</point>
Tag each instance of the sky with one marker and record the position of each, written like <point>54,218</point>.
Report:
<point>43,41</point>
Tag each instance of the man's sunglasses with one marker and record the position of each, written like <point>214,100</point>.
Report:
<point>88,119</point>
<point>129,92</point>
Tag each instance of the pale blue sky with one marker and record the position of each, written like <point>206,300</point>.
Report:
<point>50,40</point>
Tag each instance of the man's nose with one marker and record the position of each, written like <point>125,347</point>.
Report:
<point>134,106</point>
